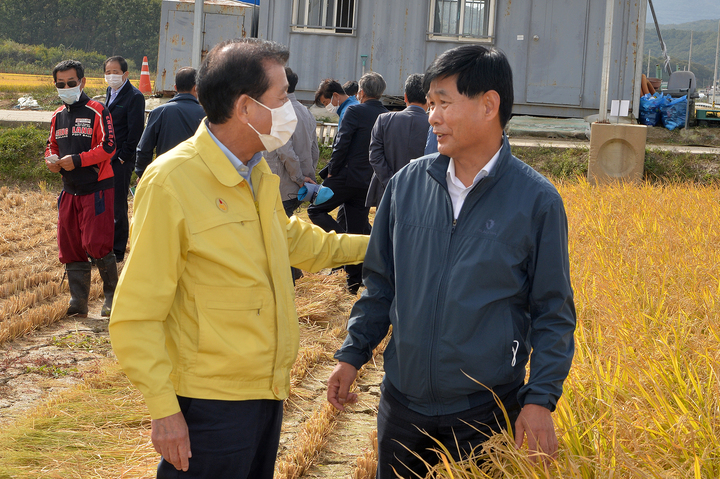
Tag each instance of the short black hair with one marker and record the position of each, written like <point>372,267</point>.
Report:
<point>119,59</point>
<point>414,89</point>
<point>326,89</point>
<point>66,65</point>
<point>292,79</point>
<point>478,70</point>
<point>233,68</point>
<point>351,87</point>
<point>185,79</point>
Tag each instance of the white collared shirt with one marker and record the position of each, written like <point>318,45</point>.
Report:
<point>458,191</point>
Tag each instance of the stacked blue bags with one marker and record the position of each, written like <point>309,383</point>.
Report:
<point>659,109</point>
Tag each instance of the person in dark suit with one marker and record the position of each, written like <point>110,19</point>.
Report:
<point>349,170</point>
<point>127,108</point>
<point>172,123</point>
<point>397,138</point>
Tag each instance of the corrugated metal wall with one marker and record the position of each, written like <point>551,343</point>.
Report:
<point>554,46</point>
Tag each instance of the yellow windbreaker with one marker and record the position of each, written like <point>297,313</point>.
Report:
<point>205,304</point>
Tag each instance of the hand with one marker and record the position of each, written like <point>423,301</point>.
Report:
<point>310,180</point>
<point>536,422</point>
<point>171,440</point>
<point>329,175</point>
<point>338,393</point>
<point>66,163</point>
<point>54,167</point>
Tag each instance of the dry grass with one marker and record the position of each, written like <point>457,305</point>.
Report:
<point>642,399</point>
<point>643,396</point>
<point>21,81</point>
<point>97,430</point>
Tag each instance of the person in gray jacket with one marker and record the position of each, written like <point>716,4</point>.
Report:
<point>468,261</point>
<point>397,138</point>
<point>296,161</point>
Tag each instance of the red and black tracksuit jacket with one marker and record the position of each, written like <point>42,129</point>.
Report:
<point>85,131</point>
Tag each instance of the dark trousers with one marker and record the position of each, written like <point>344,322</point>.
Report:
<point>400,427</point>
<point>356,217</point>
<point>122,172</point>
<point>85,226</point>
<point>229,439</point>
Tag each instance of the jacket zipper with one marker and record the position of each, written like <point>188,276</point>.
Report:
<point>440,297</point>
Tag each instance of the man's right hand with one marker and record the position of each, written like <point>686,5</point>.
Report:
<point>52,165</point>
<point>339,383</point>
<point>171,440</point>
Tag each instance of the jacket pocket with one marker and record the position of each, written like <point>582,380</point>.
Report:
<point>236,333</point>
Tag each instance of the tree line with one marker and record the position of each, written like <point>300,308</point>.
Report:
<point>678,46</point>
<point>129,28</point>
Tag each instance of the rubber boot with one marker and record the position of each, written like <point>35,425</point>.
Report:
<point>107,267</point>
<point>79,281</point>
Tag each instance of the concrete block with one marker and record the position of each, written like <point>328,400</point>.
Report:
<point>617,153</point>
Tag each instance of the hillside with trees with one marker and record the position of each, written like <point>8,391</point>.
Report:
<point>109,27</point>
<point>677,40</point>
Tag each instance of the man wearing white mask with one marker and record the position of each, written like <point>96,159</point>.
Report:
<point>204,321</point>
<point>80,146</point>
<point>127,107</point>
<point>331,95</point>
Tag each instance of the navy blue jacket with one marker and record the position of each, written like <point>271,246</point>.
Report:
<point>350,155</point>
<point>128,116</point>
<point>168,125</point>
<point>467,298</point>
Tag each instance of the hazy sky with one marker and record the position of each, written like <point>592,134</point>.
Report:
<point>682,11</point>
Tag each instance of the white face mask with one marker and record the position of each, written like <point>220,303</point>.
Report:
<point>283,126</point>
<point>69,95</point>
<point>330,107</point>
<point>115,81</point>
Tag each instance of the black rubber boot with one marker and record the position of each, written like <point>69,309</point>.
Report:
<point>79,281</point>
<point>107,267</point>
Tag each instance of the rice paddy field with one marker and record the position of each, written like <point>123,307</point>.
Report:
<point>642,399</point>
<point>22,81</point>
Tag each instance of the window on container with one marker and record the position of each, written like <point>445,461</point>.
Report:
<point>462,19</point>
<point>330,16</point>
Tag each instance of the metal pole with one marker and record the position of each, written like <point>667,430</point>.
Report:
<point>690,57</point>
<point>717,49</point>
<point>607,49</point>
<point>648,71</point>
<point>197,34</point>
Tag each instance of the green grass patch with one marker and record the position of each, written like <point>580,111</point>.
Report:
<point>21,156</point>
<point>40,60</point>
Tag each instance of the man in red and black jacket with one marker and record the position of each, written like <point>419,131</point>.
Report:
<point>80,147</point>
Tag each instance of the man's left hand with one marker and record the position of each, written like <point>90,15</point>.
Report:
<point>66,163</point>
<point>310,180</point>
<point>536,422</point>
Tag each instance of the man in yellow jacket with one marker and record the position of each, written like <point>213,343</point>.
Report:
<point>204,320</point>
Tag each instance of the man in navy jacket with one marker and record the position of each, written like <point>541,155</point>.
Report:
<point>172,123</point>
<point>468,261</point>
<point>349,170</point>
<point>127,108</point>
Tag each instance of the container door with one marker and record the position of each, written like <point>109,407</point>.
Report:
<point>225,26</point>
<point>176,47</point>
<point>556,56</point>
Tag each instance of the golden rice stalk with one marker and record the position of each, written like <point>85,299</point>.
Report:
<point>308,444</point>
<point>366,464</point>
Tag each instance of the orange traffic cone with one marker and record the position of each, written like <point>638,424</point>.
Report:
<point>145,86</point>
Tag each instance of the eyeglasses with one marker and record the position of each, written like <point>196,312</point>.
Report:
<point>71,84</point>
